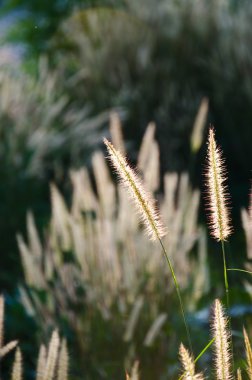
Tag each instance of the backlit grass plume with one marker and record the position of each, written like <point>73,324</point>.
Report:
<point>239,375</point>
<point>188,365</point>
<point>52,357</point>
<point>146,208</point>
<point>4,349</point>
<point>248,354</point>
<point>222,343</point>
<point>17,366</point>
<point>220,224</point>
<point>143,200</point>
<point>219,220</point>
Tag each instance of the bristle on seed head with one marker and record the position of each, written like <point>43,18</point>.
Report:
<point>219,219</point>
<point>143,200</point>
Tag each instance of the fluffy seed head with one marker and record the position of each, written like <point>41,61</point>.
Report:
<point>188,365</point>
<point>222,343</point>
<point>248,353</point>
<point>219,220</point>
<point>52,356</point>
<point>199,126</point>
<point>239,375</point>
<point>144,202</point>
<point>63,362</point>
<point>17,366</point>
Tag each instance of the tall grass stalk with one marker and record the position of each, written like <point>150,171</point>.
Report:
<point>147,211</point>
<point>176,284</point>
<point>219,219</point>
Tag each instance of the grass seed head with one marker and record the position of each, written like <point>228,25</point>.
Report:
<point>188,365</point>
<point>219,219</point>
<point>222,343</point>
<point>144,202</point>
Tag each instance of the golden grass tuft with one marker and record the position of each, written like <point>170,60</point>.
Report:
<point>219,219</point>
<point>134,374</point>
<point>62,373</point>
<point>188,365</point>
<point>239,375</point>
<point>4,349</point>
<point>17,366</point>
<point>41,364</point>
<point>199,125</point>
<point>143,200</point>
<point>52,357</point>
<point>222,343</point>
<point>248,354</point>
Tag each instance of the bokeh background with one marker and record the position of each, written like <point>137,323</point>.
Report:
<point>65,68</point>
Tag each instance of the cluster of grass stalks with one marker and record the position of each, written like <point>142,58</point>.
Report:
<point>53,361</point>
<point>96,269</point>
<point>95,262</point>
<point>218,36</point>
<point>43,130</point>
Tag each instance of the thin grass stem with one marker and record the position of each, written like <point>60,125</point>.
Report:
<point>178,293</point>
<point>239,270</point>
<point>225,273</point>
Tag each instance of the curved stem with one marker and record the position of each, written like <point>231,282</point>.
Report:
<point>239,270</point>
<point>225,273</point>
<point>178,293</point>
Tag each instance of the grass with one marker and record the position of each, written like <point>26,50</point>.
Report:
<point>98,278</point>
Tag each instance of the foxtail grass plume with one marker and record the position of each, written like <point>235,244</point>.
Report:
<point>4,349</point>
<point>52,356</point>
<point>63,362</point>
<point>142,199</point>
<point>222,343</point>
<point>41,364</point>
<point>7,348</point>
<point>199,126</point>
<point>188,365</point>
<point>248,354</point>
<point>134,375</point>
<point>219,219</point>
<point>239,375</point>
<point>115,129</point>
<point>17,366</point>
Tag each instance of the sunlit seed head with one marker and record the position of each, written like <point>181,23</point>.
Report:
<point>144,202</point>
<point>217,193</point>
<point>222,343</point>
<point>188,365</point>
